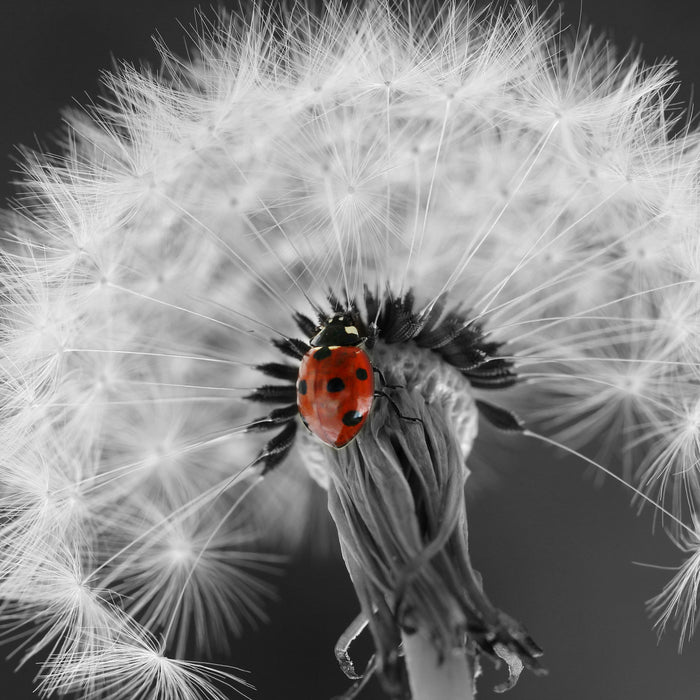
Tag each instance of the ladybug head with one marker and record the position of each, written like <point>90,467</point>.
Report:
<point>344,328</point>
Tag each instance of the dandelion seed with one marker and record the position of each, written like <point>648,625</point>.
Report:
<point>509,218</point>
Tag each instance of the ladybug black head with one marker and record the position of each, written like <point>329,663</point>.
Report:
<point>344,328</point>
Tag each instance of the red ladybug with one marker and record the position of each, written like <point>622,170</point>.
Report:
<point>335,386</point>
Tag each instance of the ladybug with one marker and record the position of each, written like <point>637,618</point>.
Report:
<point>331,384</point>
<point>335,385</point>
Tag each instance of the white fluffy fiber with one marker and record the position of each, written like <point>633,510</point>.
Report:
<point>531,178</point>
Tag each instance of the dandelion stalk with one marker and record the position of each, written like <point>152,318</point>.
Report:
<point>432,677</point>
<point>508,214</point>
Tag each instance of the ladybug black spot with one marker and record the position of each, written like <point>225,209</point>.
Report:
<point>322,353</point>
<point>352,418</point>
<point>335,385</point>
<point>301,386</point>
<point>361,373</point>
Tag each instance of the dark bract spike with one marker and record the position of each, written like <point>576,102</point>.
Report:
<point>448,329</point>
<point>491,347</point>
<point>292,347</point>
<point>430,318</point>
<point>274,393</point>
<point>493,368</point>
<point>491,382</point>
<point>335,303</point>
<point>463,357</point>
<point>399,322</point>
<point>306,325</point>
<point>372,335</point>
<point>277,448</point>
<point>499,417</point>
<point>407,303</point>
<point>470,333</point>
<point>277,370</point>
<point>372,304</point>
<point>350,303</point>
<point>274,419</point>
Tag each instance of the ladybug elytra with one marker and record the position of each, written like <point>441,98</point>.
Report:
<point>335,386</point>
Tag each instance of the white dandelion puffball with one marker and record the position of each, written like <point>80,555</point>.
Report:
<point>503,219</point>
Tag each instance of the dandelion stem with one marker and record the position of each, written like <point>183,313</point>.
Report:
<point>431,679</point>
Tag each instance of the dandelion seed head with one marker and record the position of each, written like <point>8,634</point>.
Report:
<point>135,667</point>
<point>532,181</point>
<point>677,603</point>
<point>194,577</point>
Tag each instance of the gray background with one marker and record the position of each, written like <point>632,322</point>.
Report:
<point>555,551</point>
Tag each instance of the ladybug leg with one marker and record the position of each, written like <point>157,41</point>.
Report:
<point>383,380</point>
<point>396,407</point>
<point>383,393</point>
